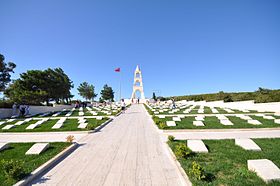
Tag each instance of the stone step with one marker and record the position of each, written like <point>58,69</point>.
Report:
<point>198,123</point>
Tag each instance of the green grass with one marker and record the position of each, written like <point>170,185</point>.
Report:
<point>69,125</point>
<point>212,122</point>
<point>226,163</point>
<point>31,162</point>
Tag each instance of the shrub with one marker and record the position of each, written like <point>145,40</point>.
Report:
<point>182,151</point>
<point>198,171</point>
<point>70,138</point>
<point>171,138</point>
<point>13,169</point>
<point>90,126</point>
<point>161,125</point>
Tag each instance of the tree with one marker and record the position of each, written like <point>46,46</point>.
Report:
<point>5,70</point>
<point>154,96</point>
<point>107,94</point>
<point>87,91</point>
<point>36,86</point>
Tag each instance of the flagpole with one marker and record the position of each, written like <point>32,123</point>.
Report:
<point>120,86</point>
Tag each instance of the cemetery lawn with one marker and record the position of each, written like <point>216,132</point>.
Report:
<point>68,125</point>
<point>226,163</point>
<point>212,122</point>
<point>31,162</point>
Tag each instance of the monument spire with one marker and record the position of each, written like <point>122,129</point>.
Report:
<point>138,85</point>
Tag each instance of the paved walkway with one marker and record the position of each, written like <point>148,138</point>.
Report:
<point>129,151</point>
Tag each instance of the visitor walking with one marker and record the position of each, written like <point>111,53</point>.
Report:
<point>14,107</point>
<point>173,104</point>
<point>138,101</point>
<point>27,110</point>
<point>123,105</point>
<point>22,110</point>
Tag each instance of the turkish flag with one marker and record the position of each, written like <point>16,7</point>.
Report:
<point>118,70</point>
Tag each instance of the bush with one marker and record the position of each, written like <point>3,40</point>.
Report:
<point>182,151</point>
<point>13,169</point>
<point>198,171</point>
<point>70,138</point>
<point>161,125</point>
<point>6,104</point>
<point>90,126</point>
<point>171,138</point>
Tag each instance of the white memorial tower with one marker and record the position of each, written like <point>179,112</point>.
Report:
<point>138,86</point>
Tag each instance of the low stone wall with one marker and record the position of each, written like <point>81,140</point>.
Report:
<point>6,113</point>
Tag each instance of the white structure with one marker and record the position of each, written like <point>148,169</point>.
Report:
<point>138,85</point>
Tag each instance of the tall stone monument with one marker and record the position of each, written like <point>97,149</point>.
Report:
<point>138,86</point>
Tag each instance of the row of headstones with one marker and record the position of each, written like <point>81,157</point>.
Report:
<point>264,168</point>
<point>200,110</point>
<point>36,149</point>
<point>81,112</point>
<point>223,119</point>
<point>58,125</point>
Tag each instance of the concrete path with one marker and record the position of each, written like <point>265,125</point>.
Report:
<point>129,151</point>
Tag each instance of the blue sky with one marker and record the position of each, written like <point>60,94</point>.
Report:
<point>182,47</point>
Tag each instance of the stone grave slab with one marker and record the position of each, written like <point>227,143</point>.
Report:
<point>2,122</point>
<point>10,120</point>
<point>245,117</point>
<point>277,114</point>
<point>247,144</point>
<point>197,146</point>
<point>156,112</point>
<point>277,121</point>
<point>20,122</point>
<point>81,113</point>
<point>99,118</point>
<point>199,118</point>
<point>221,117</point>
<point>200,111</point>
<point>198,123</point>
<point>215,111</point>
<point>176,119</point>
<point>56,114</point>
<point>4,146</point>
<point>59,123</point>
<point>82,125</point>
<point>7,127</point>
<point>228,110</point>
<point>260,115</point>
<point>268,117</point>
<point>170,123</point>
<point>161,116</point>
<point>69,114</point>
<point>265,169</point>
<point>226,122</point>
<point>37,148</point>
<point>254,122</point>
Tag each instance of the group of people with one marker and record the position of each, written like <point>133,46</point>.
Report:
<point>20,110</point>
<point>79,104</point>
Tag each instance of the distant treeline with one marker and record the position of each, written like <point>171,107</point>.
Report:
<point>262,95</point>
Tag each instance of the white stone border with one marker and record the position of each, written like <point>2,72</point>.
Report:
<point>52,162</point>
